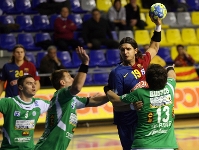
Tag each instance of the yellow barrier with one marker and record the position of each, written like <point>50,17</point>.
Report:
<point>186,102</point>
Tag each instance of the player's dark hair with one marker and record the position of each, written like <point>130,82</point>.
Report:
<point>178,46</point>
<point>21,79</point>
<point>134,44</point>
<point>94,10</point>
<point>156,77</point>
<point>56,76</point>
<point>14,49</point>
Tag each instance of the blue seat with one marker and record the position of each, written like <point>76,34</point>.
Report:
<point>30,56</point>
<point>8,7</point>
<point>37,2</point>
<point>25,23</point>
<point>115,36</point>
<point>42,37</point>
<point>86,17</point>
<point>165,54</point>
<point>65,59</point>
<point>100,78</point>
<point>24,6</point>
<point>75,59</point>
<point>89,80</point>
<point>41,22</point>
<point>7,41</point>
<point>27,41</point>
<point>113,56</point>
<point>193,5</point>
<point>39,57</point>
<point>7,19</point>
<point>77,19</point>
<point>52,21</point>
<point>76,7</point>
<point>97,58</point>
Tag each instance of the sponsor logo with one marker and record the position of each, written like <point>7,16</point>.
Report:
<point>24,124</point>
<point>22,139</point>
<point>69,135</point>
<point>25,133</point>
<point>36,103</point>
<point>26,70</point>
<point>73,119</point>
<point>73,104</point>
<point>11,70</point>
<point>17,113</point>
<point>125,75</point>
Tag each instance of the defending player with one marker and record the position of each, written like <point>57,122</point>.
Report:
<point>20,115</point>
<point>155,128</point>
<point>128,76</point>
<point>61,118</point>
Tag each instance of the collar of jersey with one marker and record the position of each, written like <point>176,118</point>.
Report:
<point>24,101</point>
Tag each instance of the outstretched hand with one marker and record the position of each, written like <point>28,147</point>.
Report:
<point>157,21</point>
<point>82,55</point>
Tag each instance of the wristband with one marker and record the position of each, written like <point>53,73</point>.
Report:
<point>158,28</point>
<point>169,68</point>
<point>156,36</point>
<point>83,68</point>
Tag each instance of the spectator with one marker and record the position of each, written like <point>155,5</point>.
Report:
<point>49,64</point>
<point>183,58</point>
<point>19,66</point>
<point>133,15</point>
<point>117,15</point>
<point>64,29</point>
<point>156,59</point>
<point>96,30</point>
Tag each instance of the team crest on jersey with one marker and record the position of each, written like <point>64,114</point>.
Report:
<point>139,66</point>
<point>34,113</point>
<point>25,133</point>
<point>36,103</point>
<point>26,70</point>
<point>17,113</point>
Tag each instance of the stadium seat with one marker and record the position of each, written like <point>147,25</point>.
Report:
<point>164,41</point>
<point>195,18</point>
<point>37,2</point>
<point>27,41</point>
<point>41,22</point>
<point>100,78</point>
<point>39,57</point>
<point>89,79</point>
<point>30,56</point>
<point>24,6</point>
<point>197,33</point>
<point>184,19</point>
<point>113,56</point>
<point>97,58</point>
<point>115,36</point>
<point>104,5</point>
<point>52,20</point>
<point>76,7</point>
<point>193,5</point>
<point>75,59</point>
<point>86,17</point>
<point>7,19</point>
<point>7,41</point>
<point>127,33</point>
<point>8,7</point>
<point>77,19</point>
<point>165,54</point>
<point>150,24</point>
<point>170,19</point>
<point>87,5</point>
<point>194,52</point>
<point>189,36</point>
<point>173,36</point>
<point>25,23</point>
<point>42,37</point>
<point>78,36</point>
<point>174,52</point>
<point>65,59</point>
<point>142,37</point>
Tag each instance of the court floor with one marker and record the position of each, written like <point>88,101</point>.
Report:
<point>105,137</point>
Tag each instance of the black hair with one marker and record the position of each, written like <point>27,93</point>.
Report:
<point>14,49</point>
<point>21,79</point>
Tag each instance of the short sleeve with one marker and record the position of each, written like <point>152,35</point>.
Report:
<point>172,84</point>
<point>80,101</point>
<point>129,98</point>
<point>64,95</point>
<point>4,103</point>
<point>43,105</point>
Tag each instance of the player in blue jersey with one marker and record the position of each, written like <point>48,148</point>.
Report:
<point>128,76</point>
<point>19,66</point>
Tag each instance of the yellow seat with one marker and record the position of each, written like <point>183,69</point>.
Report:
<point>104,5</point>
<point>173,36</point>
<point>124,2</point>
<point>150,24</point>
<point>142,37</point>
<point>164,41</point>
<point>197,33</point>
<point>194,52</point>
<point>174,52</point>
<point>195,18</point>
<point>189,36</point>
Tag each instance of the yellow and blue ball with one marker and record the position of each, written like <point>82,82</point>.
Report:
<point>158,10</point>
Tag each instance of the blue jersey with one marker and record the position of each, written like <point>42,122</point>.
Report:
<point>11,72</point>
<point>124,79</point>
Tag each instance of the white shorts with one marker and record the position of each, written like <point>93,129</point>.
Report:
<point>151,149</point>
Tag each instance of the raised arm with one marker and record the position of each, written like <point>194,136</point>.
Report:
<point>156,38</point>
<point>81,76</point>
<point>97,101</point>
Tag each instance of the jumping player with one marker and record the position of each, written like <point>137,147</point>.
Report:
<point>128,76</point>
<point>155,128</point>
<point>18,67</point>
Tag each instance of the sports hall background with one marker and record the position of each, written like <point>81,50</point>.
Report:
<point>95,130</point>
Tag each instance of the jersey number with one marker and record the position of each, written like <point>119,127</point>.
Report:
<point>166,110</point>
<point>136,73</point>
<point>18,73</point>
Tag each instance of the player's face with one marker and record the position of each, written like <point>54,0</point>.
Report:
<point>52,53</point>
<point>68,80</point>
<point>64,12</point>
<point>19,54</point>
<point>127,52</point>
<point>29,87</point>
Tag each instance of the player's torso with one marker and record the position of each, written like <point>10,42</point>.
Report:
<point>19,125</point>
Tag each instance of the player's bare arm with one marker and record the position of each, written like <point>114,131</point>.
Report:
<point>97,101</point>
<point>155,40</point>
<point>81,76</point>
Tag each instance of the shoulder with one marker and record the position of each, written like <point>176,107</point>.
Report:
<point>39,101</point>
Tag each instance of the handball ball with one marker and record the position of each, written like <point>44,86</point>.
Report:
<point>158,10</point>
